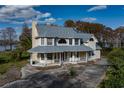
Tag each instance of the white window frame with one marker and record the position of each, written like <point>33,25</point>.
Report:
<point>76,43</point>
<point>50,41</point>
<point>42,41</point>
<point>71,41</point>
<point>59,44</point>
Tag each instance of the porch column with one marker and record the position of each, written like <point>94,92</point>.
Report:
<point>53,58</point>
<point>73,57</point>
<point>73,41</point>
<point>86,56</point>
<point>45,41</point>
<point>60,58</point>
<point>79,42</point>
<point>45,58</point>
<point>31,58</point>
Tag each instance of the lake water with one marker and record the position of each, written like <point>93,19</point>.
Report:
<point>2,48</point>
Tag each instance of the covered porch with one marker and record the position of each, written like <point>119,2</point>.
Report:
<point>59,58</point>
<point>47,55</point>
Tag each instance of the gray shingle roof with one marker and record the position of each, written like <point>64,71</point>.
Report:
<point>60,32</point>
<point>52,49</point>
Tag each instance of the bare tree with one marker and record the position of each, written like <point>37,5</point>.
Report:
<point>11,33</point>
<point>8,37</point>
<point>4,38</point>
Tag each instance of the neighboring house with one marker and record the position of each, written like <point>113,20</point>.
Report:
<point>55,45</point>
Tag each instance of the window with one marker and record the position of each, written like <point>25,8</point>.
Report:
<point>76,41</point>
<point>97,44</point>
<point>49,41</point>
<point>49,56</point>
<point>91,39</point>
<point>42,41</point>
<point>70,41</point>
<point>81,41</point>
<point>91,53</point>
<point>38,55</point>
<point>71,54</point>
<point>42,56</point>
<point>62,41</point>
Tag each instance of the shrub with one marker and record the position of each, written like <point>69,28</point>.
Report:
<point>6,66</point>
<point>20,55</point>
<point>5,57</point>
<point>116,58</point>
<point>72,72</point>
<point>115,73</point>
<point>25,55</point>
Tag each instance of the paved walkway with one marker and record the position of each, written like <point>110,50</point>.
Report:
<point>103,61</point>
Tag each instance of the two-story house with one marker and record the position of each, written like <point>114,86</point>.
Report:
<point>56,45</point>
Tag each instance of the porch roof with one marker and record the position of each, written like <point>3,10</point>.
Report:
<point>53,49</point>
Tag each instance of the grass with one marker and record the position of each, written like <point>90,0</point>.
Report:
<point>6,66</point>
<point>8,59</point>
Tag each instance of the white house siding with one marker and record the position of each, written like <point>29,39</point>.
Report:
<point>45,41</point>
<point>91,44</point>
<point>39,42</point>
<point>34,57</point>
<point>96,55</point>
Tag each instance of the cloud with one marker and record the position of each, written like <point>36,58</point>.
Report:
<point>50,20</point>
<point>46,15</point>
<point>25,14</point>
<point>18,14</point>
<point>89,19</point>
<point>95,8</point>
<point>59,19</point>
<point>28,13</point>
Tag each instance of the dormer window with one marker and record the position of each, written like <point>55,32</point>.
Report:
<point>91,39</point>
<point>70,41</point>
<point>62,41</point>
<point>49,41</point>
<point>81,41</point>
<point>76,41</point>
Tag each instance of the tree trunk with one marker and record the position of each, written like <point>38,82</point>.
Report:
<point>11,47</point>
<point>5,47</point>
